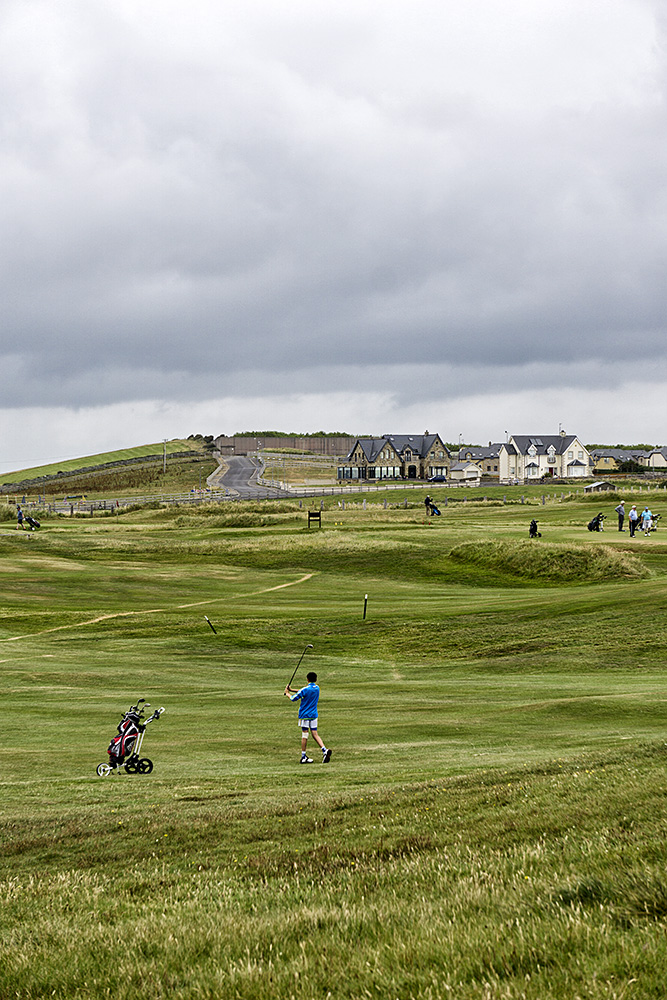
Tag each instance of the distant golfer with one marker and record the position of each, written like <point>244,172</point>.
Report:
<point>620,510</point>
<point>308,696</point>
<point>19,517</point>
<point>633,517</point>
<point>647,517</point>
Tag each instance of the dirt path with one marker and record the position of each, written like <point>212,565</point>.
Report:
<point>156,611</point>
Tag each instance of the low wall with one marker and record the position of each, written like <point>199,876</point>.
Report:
<point>240,445</point>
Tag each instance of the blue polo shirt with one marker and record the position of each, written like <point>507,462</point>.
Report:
<point>309,696</point>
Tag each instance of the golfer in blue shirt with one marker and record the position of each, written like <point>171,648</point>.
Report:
<point>308,696</point>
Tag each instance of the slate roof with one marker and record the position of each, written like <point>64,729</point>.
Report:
<point>477,454</point>
<point>419,444</point>
<point>620,454</point>
<point>461,466</point>
<point>543,442</point>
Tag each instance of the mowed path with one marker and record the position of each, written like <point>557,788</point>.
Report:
<point>155,611</point>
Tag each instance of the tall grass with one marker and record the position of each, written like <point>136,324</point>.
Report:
<point>552,563</point>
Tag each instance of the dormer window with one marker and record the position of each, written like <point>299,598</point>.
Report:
<point>532,451</point>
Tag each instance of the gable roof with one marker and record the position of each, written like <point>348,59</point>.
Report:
<point>461,466</point>
<point>419,444</point>
<point>371,447</point>
<point>543,442</point>
<point>491,451</point>
<point>619,454</point>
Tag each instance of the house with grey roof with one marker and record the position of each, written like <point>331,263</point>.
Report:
<point>397,456</point>
<point>487,458</point>
<point>465,472</point>
<point>526,458</point>
<point>656,459</point>
<point>611,459</point>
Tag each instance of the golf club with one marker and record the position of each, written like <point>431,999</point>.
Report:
<point>210,623</point>
<point>309,646</point>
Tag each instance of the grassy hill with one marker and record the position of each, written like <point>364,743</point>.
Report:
<point>104,458</point>
<point>492,824</point>
<point>128,471</point>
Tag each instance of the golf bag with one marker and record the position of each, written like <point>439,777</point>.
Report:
<point>434,509</point>
<point>125,748</point>
<point>532,531</point>
<point>33,523</point>
<point>596,523</point>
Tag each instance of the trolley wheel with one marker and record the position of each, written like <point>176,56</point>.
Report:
<point>131,766</point>
<point>104,770</point>
<point>144,766</point>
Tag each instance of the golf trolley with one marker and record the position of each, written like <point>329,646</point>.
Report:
<point>125,748</point>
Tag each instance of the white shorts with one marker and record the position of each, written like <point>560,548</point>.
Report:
<point>308,723</point>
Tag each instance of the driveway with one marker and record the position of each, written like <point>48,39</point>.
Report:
<point>240,478</point>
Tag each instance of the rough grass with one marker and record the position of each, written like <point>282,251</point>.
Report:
<point>528,884</point>
<point>552,562</point>
<point>492,825</point>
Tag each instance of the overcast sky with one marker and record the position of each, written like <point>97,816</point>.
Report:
<point>369,216</point>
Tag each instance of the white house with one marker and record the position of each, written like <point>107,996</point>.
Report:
<point>525,458</point>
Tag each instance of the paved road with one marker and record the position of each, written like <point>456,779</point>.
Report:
<point>241,478</point>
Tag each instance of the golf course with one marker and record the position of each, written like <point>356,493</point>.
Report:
<point>493,821</point>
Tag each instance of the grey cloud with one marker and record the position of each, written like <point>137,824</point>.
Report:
<point>250,215</point>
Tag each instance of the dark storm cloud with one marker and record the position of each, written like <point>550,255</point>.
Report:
<point>201,200</point>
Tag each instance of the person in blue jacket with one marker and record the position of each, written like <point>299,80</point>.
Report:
<point>308,696</point>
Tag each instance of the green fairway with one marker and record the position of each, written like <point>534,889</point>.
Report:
<point>492,822</point>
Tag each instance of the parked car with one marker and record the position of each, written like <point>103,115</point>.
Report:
<point>437,479</point>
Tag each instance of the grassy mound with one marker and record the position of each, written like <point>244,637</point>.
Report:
<point>551,562</point>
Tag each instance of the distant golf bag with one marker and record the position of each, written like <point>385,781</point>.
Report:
<point>596,523</point>
<point>125,748</point>
<point>32,523</point>
<point>434,509</point>
<point>532,531</point>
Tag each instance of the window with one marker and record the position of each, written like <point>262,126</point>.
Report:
<point>580,455</point>
<point>570,455</point>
